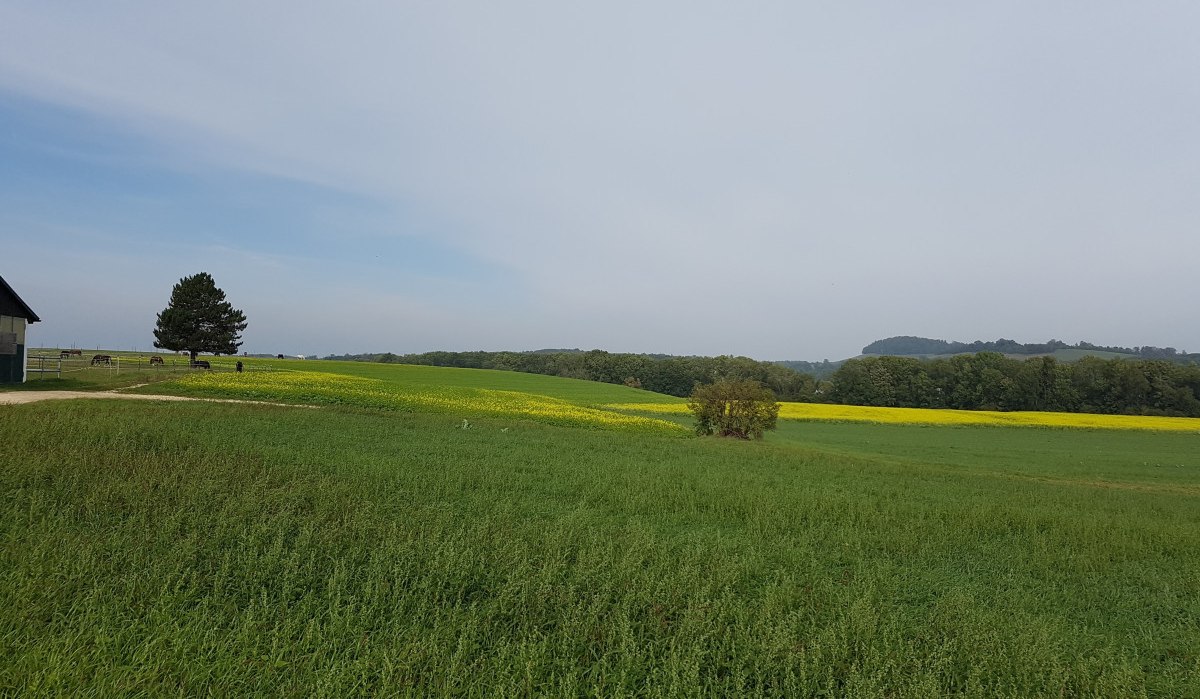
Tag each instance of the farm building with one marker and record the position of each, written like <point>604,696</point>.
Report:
<point>14,316</point>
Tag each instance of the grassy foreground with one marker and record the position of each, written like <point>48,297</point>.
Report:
<point>224,549</point>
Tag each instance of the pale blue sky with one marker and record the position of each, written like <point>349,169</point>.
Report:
<point>791,180</point>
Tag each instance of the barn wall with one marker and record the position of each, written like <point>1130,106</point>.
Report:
<point>12,366</point>
<point>11,325</point>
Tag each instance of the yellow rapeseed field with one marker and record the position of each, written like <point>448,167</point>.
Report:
<point>339,389</point>
<point>925,416</point>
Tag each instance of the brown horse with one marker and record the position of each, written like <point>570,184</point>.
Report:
<point>102,359</point>
<point>155,360</point>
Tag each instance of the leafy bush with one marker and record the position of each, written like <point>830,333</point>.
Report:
<point>734,408</point>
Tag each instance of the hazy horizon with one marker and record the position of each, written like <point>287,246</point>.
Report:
<point>291,352</point>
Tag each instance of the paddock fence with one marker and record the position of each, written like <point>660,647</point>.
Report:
<point>64,363</point>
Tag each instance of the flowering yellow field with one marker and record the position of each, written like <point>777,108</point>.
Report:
<point>924,416</point>
<point>339,389</point>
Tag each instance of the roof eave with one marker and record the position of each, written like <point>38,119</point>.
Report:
<point>30,316</point>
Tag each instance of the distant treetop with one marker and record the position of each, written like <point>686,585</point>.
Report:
<point>905,345</point>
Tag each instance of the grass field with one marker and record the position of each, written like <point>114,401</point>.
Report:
<point>377,547</point>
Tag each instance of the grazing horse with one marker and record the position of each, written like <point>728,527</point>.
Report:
<point>201,364</point>
<point>155,360</point>
<point>102,359</point>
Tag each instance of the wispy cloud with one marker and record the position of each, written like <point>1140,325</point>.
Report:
<point>782,181</point>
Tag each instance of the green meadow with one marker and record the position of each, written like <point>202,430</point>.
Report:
<point>368,547</point>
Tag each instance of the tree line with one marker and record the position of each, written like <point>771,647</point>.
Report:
<point>674,376</point>
<point>911,345</point>
<point>991,381</point>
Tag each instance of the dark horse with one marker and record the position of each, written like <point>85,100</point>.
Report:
<point>102,359</point>
<point>156,360</point>
<point>201,364</point>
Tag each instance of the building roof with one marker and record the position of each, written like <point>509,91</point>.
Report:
<point>12,305</point>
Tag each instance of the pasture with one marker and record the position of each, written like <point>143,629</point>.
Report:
<point>50,370</point>
<point>375,546</point>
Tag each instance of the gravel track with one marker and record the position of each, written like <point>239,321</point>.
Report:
<point>22,397</point>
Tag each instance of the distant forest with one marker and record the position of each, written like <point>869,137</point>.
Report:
<point>992,381</point>
<point>981,381</point>
<point>909,345</point>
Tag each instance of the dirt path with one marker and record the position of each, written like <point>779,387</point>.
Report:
<point>20,397</point>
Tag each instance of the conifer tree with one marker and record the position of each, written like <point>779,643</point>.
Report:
<point>199,319</point>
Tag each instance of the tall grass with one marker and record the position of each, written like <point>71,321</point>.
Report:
<point>218,549</point>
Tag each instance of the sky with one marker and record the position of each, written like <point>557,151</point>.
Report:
<point>781,180</point>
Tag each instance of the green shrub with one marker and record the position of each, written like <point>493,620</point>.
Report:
<point>734,408</point>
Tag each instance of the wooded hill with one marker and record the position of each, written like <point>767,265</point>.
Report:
<point>908,345</point>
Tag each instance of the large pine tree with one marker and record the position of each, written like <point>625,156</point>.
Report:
<point>199,319</point>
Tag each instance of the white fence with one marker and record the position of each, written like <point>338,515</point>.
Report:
<point>41,363</point>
